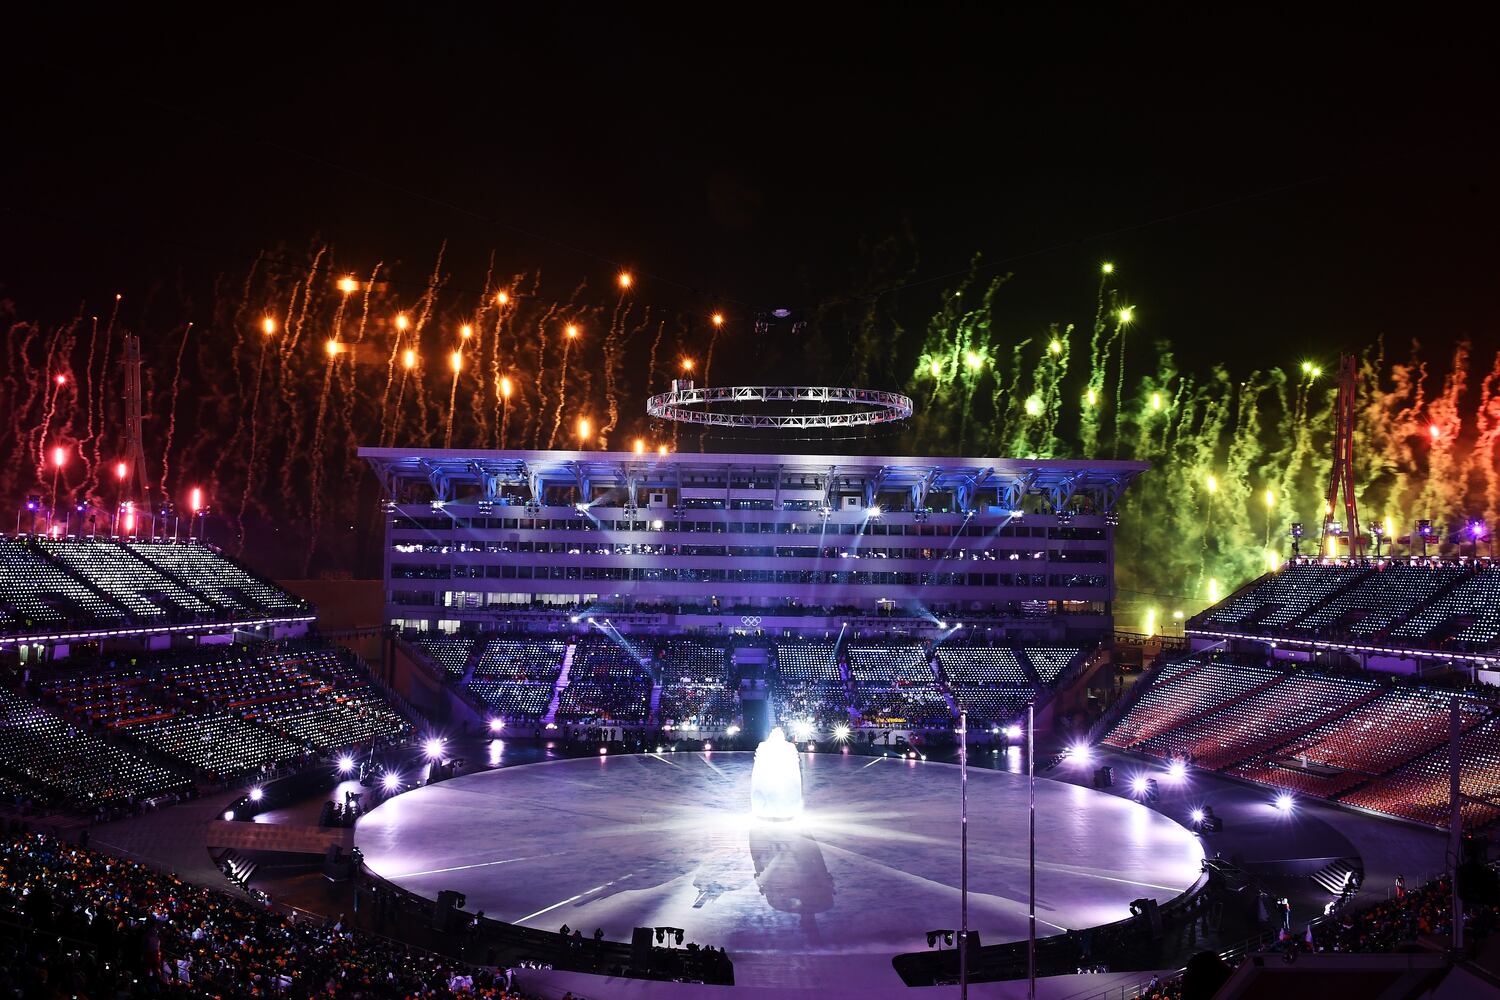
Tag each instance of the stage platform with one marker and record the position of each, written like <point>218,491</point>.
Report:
<point>617,842</point>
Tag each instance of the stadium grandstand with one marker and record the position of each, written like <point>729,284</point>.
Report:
<point>558,588</point>
<point>60,594</point>
<point>1353,681</point>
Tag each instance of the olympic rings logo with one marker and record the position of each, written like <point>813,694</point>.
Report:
<point>750,621</point>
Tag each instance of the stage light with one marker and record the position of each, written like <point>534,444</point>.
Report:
<point>1106,268</point>
<point>1177,770</point>
<point>256,794</point>
<point>1285,803</point>
<point>496,725</point>
<point>660,749</point>
<point>229,815</point>
<point>874,511</point>
<point>841,732</point>
<point>433,747</point>
<point>1079,753</point>
<point>708,747</point>
<point>640,446</point>
<point>662,450</point>
<point>390,781</point>
<point>801,729</point>
<point>911,755</point>
<point>1013,731</point>
<point>658,524</point>
<point>604,751</point>
<point>1197,815</point>
<point>346,763</point>
<point>1138,784</point>
<point>347,284</point>
<point>732,731</point>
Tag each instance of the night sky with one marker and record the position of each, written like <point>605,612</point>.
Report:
<point>1266,184</point>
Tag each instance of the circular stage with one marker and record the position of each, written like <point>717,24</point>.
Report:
<point>667,840</point>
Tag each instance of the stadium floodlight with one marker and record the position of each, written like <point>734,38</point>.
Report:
<point>802,729</point>
<point>732,731</point>
<point>390,781</point>
<point>346,763</point>
<point>1285,803</point>
<point>841,732</point>
<point>1177,769</point>
<point>874,511</point>
<point>433,746</point>
<point>1197,815</point>
<point>1079,753</point>
<point>1138,784</point>
<point>496,725</point>
<point>1013,731</point>
<point>256,794</point>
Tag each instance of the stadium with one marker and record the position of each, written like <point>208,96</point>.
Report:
<point>582,502</point>
<point>540,758</point>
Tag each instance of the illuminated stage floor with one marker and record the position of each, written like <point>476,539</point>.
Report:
<point>640,840</point>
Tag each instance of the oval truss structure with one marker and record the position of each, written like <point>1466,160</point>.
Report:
<point>679,406</point>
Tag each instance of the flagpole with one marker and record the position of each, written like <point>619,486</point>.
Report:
<point>1031,838</point>
<point>963,894</point>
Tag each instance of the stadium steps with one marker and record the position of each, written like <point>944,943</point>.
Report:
<point>287,838</point>
<point>550,716</point>
<point>1103,730</point>
<point>1334,877</point>
<point>655,702</point>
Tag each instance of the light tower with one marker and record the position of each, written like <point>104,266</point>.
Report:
<point>1341,478</point>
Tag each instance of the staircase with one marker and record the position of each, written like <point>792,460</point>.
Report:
<point>236,868</point>
<point>1334,877</point>
<point>550,716</point>
<point>655,701</point>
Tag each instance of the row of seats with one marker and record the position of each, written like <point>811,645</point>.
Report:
<point>1284,596</point>
<point>1209,685</point>
<point>981,665</point>
<point>923,707</point>
<point>49,583</point>
<point>1472,607</point>
<point>516,700</point>
<point>450,654</point>
<point>1420,790</point>
<point>1387,595</point>
<point>888,666</point>
<point>625,701</point>
<point>75,768</point>
<point>602,657</point>
<point>808,663</point>
<point>520,658</point>
<point>687,662</point>
<point>703,705</point>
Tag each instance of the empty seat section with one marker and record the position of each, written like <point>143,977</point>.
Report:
<point>699,705</point>
<point>1388,595</point>
<point>517,700</point>
<point>1469,614</point>
<point>450,654</point>
<point>889,666</point>
<point>1283,596</point>
<point>217,579</point>
<point>1262,720</point>
<point>1419,791</point>
<point>1188,694</point>
<point>808,663</point>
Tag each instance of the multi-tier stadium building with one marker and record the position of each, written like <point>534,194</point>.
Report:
<point>749,543</point>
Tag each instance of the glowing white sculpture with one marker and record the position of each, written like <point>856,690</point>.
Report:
<point>776,780</point>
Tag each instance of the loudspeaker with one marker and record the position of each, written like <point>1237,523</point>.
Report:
<point>445,912</point>
<point>1104,777</point>
<point>640,948</point>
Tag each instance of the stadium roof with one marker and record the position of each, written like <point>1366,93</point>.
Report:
<point>446,470</point>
